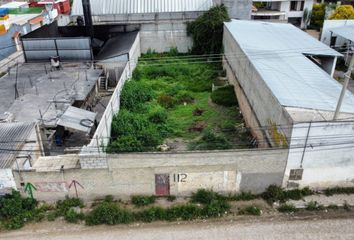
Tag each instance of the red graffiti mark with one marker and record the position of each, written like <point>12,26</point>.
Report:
<point>51,186</point>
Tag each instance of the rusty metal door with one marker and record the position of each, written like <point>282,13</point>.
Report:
<point>162,184</point>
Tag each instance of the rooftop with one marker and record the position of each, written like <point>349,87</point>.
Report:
<point>45,95</point>
<point>14,5</point>
<point>108,7</point>
<point>12,138</point>
<point>346,32</point>
<point>278,52</point>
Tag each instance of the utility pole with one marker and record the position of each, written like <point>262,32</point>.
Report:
<point>345,85</point>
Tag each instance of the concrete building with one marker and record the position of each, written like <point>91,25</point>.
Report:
<point>281,11</point>
<point>282,79</point>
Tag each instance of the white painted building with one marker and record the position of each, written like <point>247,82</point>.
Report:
<point>282,78</point>
<point>281,11</point>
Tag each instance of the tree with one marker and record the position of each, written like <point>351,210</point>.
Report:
<point>207,30</point>
<point>318,15</point>
<point>343,12</point>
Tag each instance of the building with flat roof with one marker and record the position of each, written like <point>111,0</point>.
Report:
<point>282,78</point>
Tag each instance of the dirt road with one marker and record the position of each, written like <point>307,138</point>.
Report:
<point>323,229</point>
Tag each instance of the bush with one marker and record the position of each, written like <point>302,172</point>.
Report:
<point>216,208</point>
<point>318,15</point>
<point>207,30</point>
<point>275,193</point>
<point>210,141</point>
<point>159,116</point>
<point>204,196</point>
<point>250,210</point>
<point>243,196</point>
<point>134,94</point>
<point>108,213</point>
<point>171,198</point>
<point>140,201</point>
<point>225,96</point>
<point>73,217</point>
<point>51,216</point>
<point>339,190</point>
<point>314,206</point>
<point>184,212</point>
<point>184,97</point>
<point>63,206</point>
<point>166,101</point>
<point>287,208</point>
<point>151,214</point>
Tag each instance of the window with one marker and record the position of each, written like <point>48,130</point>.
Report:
<point>302,5</point>
<point>296,174</point>
<point>293,5</point>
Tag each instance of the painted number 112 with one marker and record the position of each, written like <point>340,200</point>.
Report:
<point>180,177</point>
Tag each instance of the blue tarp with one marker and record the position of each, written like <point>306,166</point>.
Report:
<point>4,11</point>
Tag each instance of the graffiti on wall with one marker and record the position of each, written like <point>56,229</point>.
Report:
<point>52,186</point>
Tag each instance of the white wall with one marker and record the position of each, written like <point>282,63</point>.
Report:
<point>328,159</point>
<point>6,180</point>
<point>329,24</point>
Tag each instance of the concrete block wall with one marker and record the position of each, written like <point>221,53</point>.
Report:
<point>241,71</point>
<point>131,174</point>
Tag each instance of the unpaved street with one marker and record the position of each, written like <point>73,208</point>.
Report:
<point>299,229</point>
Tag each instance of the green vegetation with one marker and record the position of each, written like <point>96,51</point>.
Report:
<point>275,193</point>
<point>108,213</point>
<point>207,31</point>
<point>318,15</point>
<point>339,190</point>
<point>225,96</point>
<point>290,208</point>
<point>314,206</point>
<point>250,210</point>
<point>170,99</point>
<point>31,10</point>
<point>141,201</point>
<point>343,12</point>
<point>171,198</point>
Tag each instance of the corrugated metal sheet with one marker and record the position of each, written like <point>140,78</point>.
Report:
<point>277,52</point>
<point>12,138</point>
<point>78,119</point>
<point>108,7</point>
<point>346,32</point>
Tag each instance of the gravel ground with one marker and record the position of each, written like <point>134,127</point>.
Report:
<point>339,200</point>
<point>271,229</point>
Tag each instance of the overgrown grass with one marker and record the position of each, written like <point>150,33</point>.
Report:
<point>287,207</point>
<point>339,190</point>
<point>140,200</point>
<point>250,210</point>
<point>275,193</point>
<point>171,99</point>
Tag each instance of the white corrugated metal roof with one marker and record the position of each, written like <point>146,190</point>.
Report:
<point>12,139</point>
<point>277,52</point>
<point>346,32</point>
<point>108,7</point>
<point>14,5</point>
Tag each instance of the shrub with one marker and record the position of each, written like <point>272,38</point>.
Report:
<point>135,93</point>
<point>314,206</point>
<point>275,193</point>
<point>125,144</point>
<point>207,30</point>
<point>204,196</point>
<point>216,208</point>
<point>108,213</point>
<point>151,214</point>
<point>184,97</point>
<point>51,216</point>
<point>171,198</point>
<point>158,117</point>
<point>141,201</point>
<point>224,96</point>
<point>210,141</point>
<point>184,212</point>
<point>339,190</point>
<point>333,206</point>
<point>243,196</point>
<point>63,206</point>
<point>287,208</point>
<point>318,15</point>
<point>166,101</point>
<point>250,210</point>
<point>73,217</point>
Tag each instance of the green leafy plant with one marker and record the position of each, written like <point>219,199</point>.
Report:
<point>73,217</point>
<point>250,210</point>
<point>290,208</point>
<point>140,200</point>
<point>151,214</point>
<point>205,196</point>
<point>318,15</point>
<point>210,141</point>
<point>339,190</point>
<point>275,193</point>
<point>171,198</point>
<point>134,94</point>
<point>225,96</point>
<point>63,206</point>
<point>166,101</point>
<point>108,213</point>
<point>207,30</point>
<point>314,206</point>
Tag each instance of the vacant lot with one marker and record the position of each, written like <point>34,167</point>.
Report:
<point>170,101</point>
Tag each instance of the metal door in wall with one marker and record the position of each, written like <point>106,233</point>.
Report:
<point>162,184</point>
